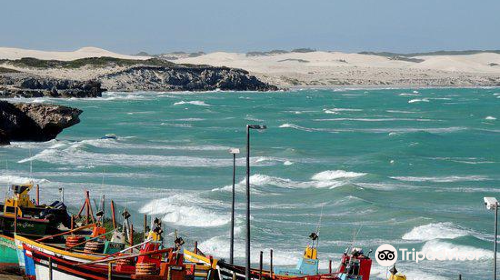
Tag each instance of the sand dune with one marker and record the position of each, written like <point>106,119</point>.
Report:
<point>317,68</point>
<point>337,69</point>
<point>16,53</point>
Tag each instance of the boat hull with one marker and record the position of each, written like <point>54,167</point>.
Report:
<point>8,253</point>
<point>26,227</point>
<point>61,269</point>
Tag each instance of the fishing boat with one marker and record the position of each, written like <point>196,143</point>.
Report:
<point>8,255</point>
<point>355,265</point>
<point>152,261</point>
<point>20,215</point>
<point>79,244</point>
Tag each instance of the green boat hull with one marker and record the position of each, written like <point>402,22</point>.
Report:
<point>8,253</point>
<point>25,227</point>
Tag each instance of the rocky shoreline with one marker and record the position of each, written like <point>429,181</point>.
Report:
<point>34,122</point>
<point>90,77</point>
<point>193,78</point>
<point>25,85</point>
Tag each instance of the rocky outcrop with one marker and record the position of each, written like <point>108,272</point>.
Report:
<point>24,85</point>
<point>34,122</point>
<point>183,78</point>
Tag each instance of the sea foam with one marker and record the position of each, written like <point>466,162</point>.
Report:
<point>196,102</point>
<point>435,231</point>
<point>444,179</point>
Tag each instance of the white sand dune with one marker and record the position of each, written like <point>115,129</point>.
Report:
<point>16,53</point>
<point>337,68</point>
<point>317,68</point>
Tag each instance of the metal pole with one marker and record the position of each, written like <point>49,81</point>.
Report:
<point>131,237</point>
<point>247,251</point>
<point>50,268</point>
<point>271,262</point>
<point>495,245</point>
<point>196,247</point>
<point>37,194</point>
<point>113,213</point>
<point>231,251</point>
<point>87,212</point>
<point>15,219</point>
<point>260,264</point>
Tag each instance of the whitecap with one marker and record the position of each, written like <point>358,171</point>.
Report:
<point>187,209</point>
<point>435,231</point>
<point>447,247</point>
<point>376,119</point>
<point>338,110</point>
<point>75,156</point>
<point>329,175</point>
<point>490,118</point>
<point>418,100</point>
<point>15,179</point>
<point>196,102</point>
<point>326,179</point>
<point>218,246</point>
<point>443,179</point>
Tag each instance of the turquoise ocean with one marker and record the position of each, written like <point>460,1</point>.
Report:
<point>407,167</point>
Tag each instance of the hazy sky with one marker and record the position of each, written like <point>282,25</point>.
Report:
<point>235,25</point>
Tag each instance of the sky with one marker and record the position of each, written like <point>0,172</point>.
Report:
<point>159,26</point>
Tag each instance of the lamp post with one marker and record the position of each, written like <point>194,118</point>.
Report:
<point>234,152</point>
<point>492,204</point>
<point>247,249</point>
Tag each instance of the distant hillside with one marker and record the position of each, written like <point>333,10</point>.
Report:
<point>83,77</point>
<point>30,62</point>
<point>467,52</point>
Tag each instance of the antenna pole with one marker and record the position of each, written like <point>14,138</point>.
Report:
<point>37,194</point>
<point>113,215</point>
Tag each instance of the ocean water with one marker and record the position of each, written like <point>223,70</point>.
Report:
<point>400,166</point>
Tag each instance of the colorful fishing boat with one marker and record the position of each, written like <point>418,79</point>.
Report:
<point>79,245</point>
<point>22,216</point>
<point>151,262</point>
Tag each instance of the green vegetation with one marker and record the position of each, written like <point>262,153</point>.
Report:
<point>273,52</point>
<point>303,50</point>
<point>390,54</point>
<point>97,62</point>
<point>292,59</point>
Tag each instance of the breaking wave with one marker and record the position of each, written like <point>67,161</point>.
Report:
<point>184,209</point>
<point>444,179</point>
<point>442,246</point>
<point>196,102</point>
<point>326,179</point>
<point>338,110</point>
<point>435,231</point>
<point>418,100</point>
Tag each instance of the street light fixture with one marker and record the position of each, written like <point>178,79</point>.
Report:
<point>234,152</point>
<point>492,204</point>
<point>247,249</point>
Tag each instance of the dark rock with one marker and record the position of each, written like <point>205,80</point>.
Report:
<point>191,78</point>
<point>4,140</point>
<point>34,122</point>
<point>24,85</point>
